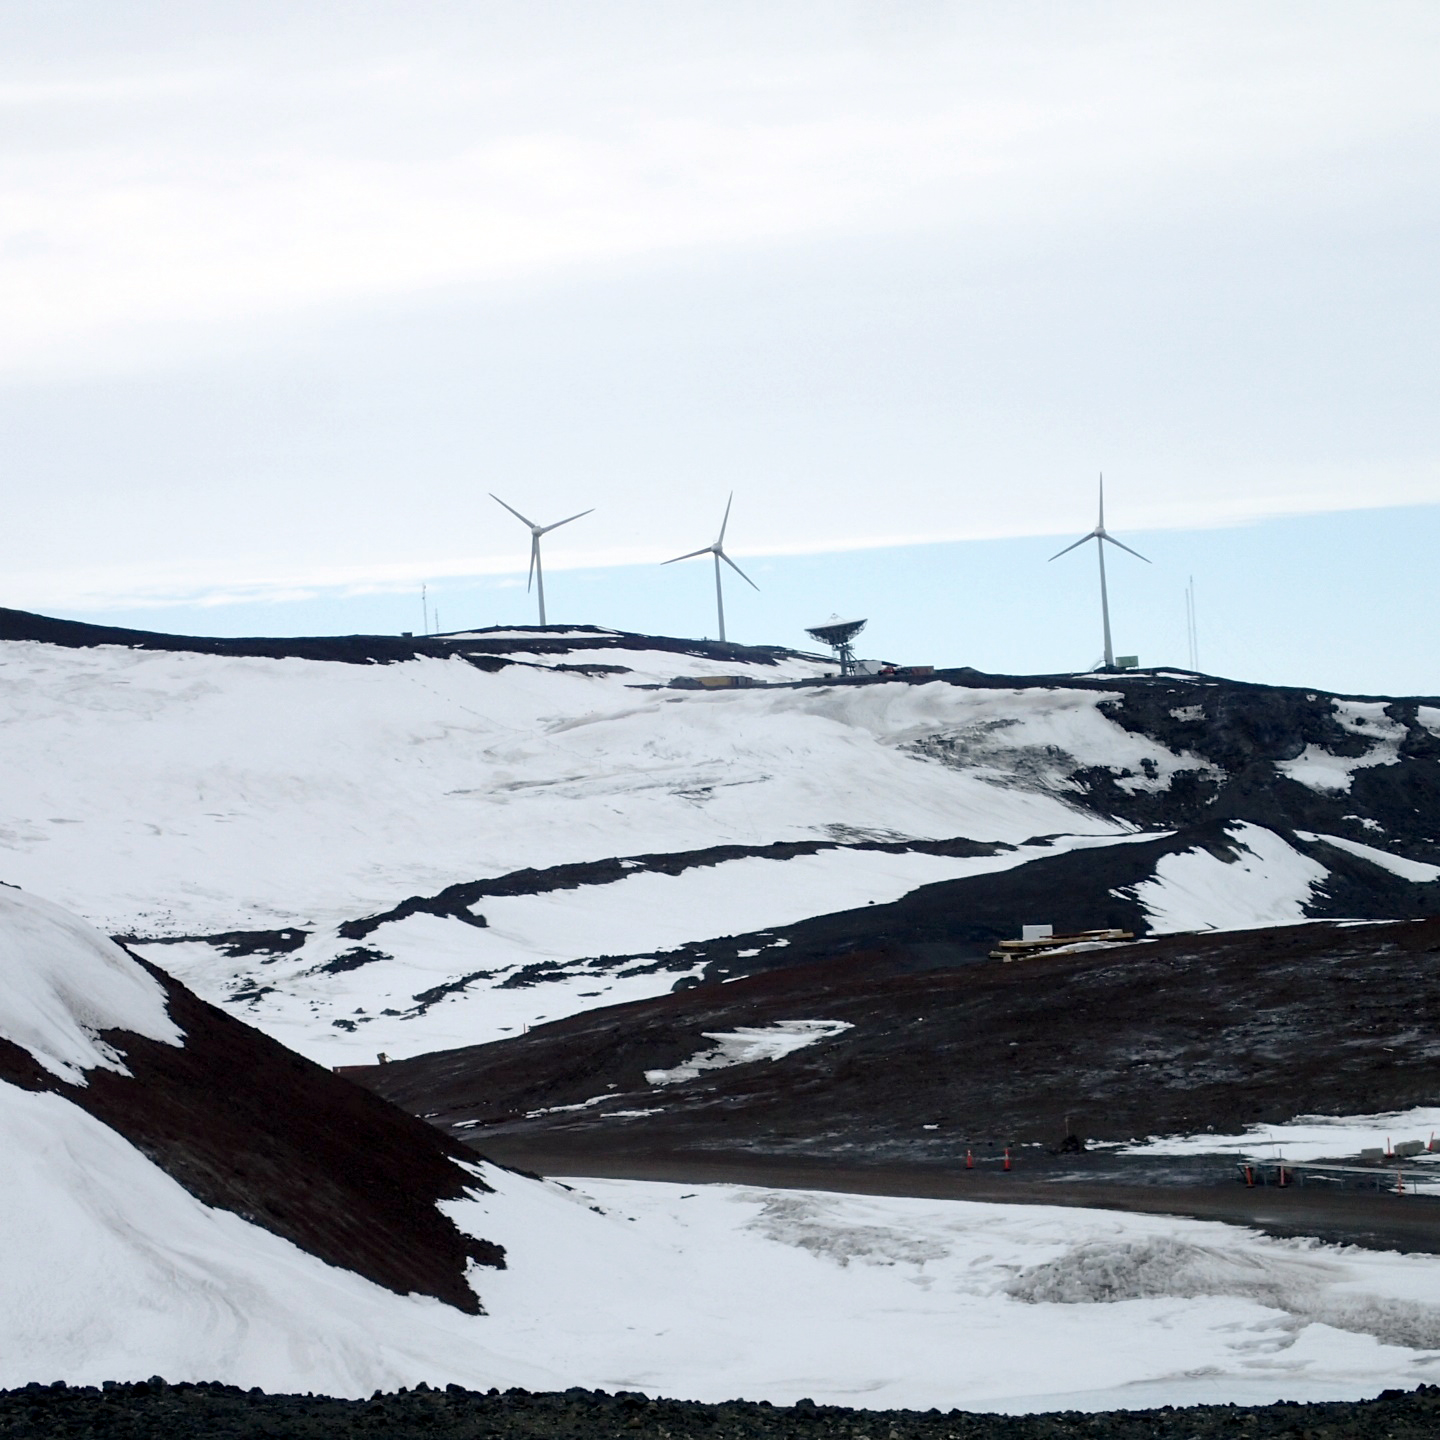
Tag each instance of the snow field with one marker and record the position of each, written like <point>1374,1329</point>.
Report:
<point>882,1301</point>
<point>647,914</point>
<point>643,914</point>
<point>702,1292</point>
<point>169,793</point>
<point>61,983</point>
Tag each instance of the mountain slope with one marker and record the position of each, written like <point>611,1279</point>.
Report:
<point>242,1124</point>
<point>182,1197</point>
<point>915,1067</point>
<point>384,844</point>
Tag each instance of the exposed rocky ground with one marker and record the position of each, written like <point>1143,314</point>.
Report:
<point>1173,1035</point>
<point>489,653</point>
<point>957,922</point>
<point>138,1412</point>
<point>1177,1035</point>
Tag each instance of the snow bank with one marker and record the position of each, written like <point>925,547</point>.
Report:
<point>1309,1137</point>
<point>61,983</point>
<point>747,1044</point>
<point>1269,883</point>
<point>111,1271</point>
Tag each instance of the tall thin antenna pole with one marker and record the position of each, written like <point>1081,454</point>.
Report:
<point>540,581</point>
<point>719,598</point>
<point>1105,607</point>
<point>424,612</point>
<point>1192,626</point>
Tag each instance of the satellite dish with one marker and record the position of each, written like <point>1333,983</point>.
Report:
<point>837,634</point>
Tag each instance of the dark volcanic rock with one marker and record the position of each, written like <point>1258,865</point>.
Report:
<point>1171,1035</point>
<point>454,901</point>
<point>151,1408</point>
<point>487,653</point>
<point>958,922</point>
<point>246,1125</point>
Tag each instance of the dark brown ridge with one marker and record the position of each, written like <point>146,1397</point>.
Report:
<point>248,1126</point>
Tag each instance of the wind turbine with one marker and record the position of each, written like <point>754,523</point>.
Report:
<point>537,575</point>
<point>1100,535</point>
<point>718,551</point>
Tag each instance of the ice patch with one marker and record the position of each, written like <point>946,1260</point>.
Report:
<point>797,1219</point>
<point>1164,1267</point>
<point>746,1044</point>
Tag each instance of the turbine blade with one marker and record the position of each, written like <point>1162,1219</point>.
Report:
<point>705,550</point>
<point>512,510</point>
<point>546,529</point>
<point>534,556</point>
<point>1101,525</point>
<point>1124,547</point>
<point>1075,546</point>
<point>723,556</point>
<point>726,520</point>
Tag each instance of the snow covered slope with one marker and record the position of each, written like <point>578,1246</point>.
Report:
<point>102,1061</point>
<point>380,844</point>
<point>157,1153</point>
<point>706,1294</point>
<point>173,793</point>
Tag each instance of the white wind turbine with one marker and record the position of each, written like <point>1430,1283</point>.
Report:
<point>1100,535</point>
<point>718,551</point>
<point>537,575</point>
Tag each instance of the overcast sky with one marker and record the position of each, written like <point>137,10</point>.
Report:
<point>286,289</point>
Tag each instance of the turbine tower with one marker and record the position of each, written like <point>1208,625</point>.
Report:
<point>1100,535</point>
<point>718,551</point>
<point>537,575</point>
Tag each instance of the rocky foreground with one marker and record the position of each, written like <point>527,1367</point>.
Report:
<point>152,1408</point>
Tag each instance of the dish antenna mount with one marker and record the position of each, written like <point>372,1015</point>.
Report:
<point>838,634</point>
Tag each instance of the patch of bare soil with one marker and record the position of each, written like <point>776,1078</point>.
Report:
<point>945,1069</point>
